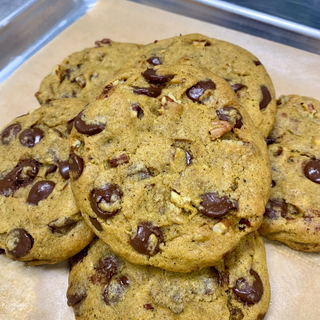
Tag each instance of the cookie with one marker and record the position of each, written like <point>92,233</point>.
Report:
<point>293,212</point>
<point>39,219</point>
<point>82,74</point>
<point>104,286</point>
<point>244,72</point>
<point>167,166</point>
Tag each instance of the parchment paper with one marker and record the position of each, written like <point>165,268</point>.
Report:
<point>40,292</point>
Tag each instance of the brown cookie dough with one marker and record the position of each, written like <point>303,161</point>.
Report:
<point>168,169</point>
<point>104,286</point>
<point>82,74</point>
<point>39,219</point>
<point>293,212</point>
<point>244,72</point>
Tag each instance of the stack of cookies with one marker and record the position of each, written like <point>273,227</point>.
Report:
<point>160,152</point>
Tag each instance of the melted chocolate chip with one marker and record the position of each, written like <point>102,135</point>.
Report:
<point>237,86</point>
<point>108,267</point>
<point>232,115</point>
<point>96,223</point>
<point>266,97</point>
<point>79,257</point>
<point>312,170</point>
<point>214,207</point>
<point>70,126</point>
<point>62,228</point>
<point>98,43</point>
<point>2,251</point>
<point>148,306</point>
<point>152,92</point>
<point>22,175</point>
<point>51,169</point>
<point>155,61</point>
<point>249,293</point>
<point>124,281</point>
<point>151,76</point>
<point>10,132</point>
<point>141,240</point>
<point>74,299</point>
<point>109,194</point>
<point>270,141</point>
<point>138,109</point>
<point>76,166</point>
<point>195,92</point>
<point>275,208</point>
<point>257,62</point>
<point>64,169</point>
<point>222,279</point>
<point>273,184</point>
<point>30,137</point>
<point>40,191</point>
<point>117,160</point>
<point>89,129</point>
<point>20,242</point>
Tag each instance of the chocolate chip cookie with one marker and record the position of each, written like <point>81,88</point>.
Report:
<point>243,71</point>
<point>293,212</point>
<point>104,286</point>
<point>82,74</point>
<point>168,169</point>
<point>39,219</point>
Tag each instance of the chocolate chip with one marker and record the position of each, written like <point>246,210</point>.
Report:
<point>141,242</point>
<point>155,61</point>
<point>257,62</point>
<point>76,165</point>
<point>214,207</point>
<point>278,152</point>
<point>65,73</point>
<point>70,126</point>
<point>40,191</point>
<point>109,194</point>
<point>222,279</point>
<point>151,76</point>
<point>30,137</point>
<point>273,184</point>
<point>58,132</point>
<point>51,169</point>
<point>188,157</point>
<point>64,169</point>
<point>89,129</point>
<point>19,177</point>
<point>108,267</point>
<point>270,141</point>
<point>123,280</point>
<point>261,316</point>
<point>98,43</point>
<point>78,257</point>
<point>10,132</point>
<point>249,293</point>
<point>275,208</point>
<point>76,298</point>
<point>138,109</point>
<point>152,92</point>
<point>266,97</point>
<point>232,115</point>
<point>106,92</point>
<point>117,160</point>
<point>195,92</point>
<point>237,86</point>
<point>62,226</point>
<point>148,306</point>
<point>96,223</point>
<point>19,242</point>
<point>243,223</point>
<point>312,170</point>
<point>2,251</point>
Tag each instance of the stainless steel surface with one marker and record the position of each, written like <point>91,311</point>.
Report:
<point>290,22</point>
<point>26,26</point>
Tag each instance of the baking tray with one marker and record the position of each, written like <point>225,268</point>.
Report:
<point>27,25</point>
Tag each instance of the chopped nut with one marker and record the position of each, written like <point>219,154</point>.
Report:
<point>201,43</point>
<point>219,227</point>
<point>117,160</point>
<point>56,69</point>
<point>170,106</point>
<point>220,127</point>
<point>77,144</point>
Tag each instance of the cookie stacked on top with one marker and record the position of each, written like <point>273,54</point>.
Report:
<point>169,168</point>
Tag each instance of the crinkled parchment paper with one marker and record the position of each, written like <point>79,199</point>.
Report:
<point>40,292</point>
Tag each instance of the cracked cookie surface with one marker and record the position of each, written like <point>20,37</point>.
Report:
<point>102,285</point>
<point>39,219</point>
<point>82,74</point>
<point>244,72</point>
<point>293,211</point>
<point>168,169</point>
